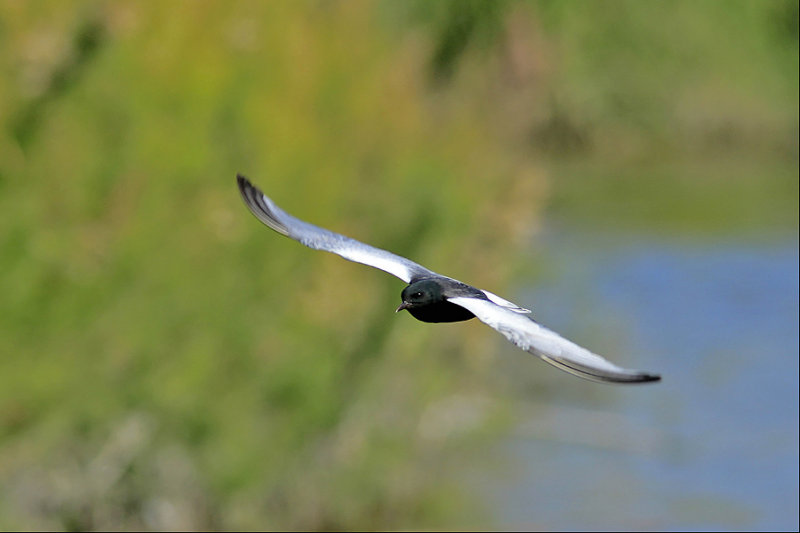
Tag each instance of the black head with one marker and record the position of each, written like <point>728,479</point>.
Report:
<point>421,293</point>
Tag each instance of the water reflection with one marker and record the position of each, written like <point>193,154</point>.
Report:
<point>715,445</point>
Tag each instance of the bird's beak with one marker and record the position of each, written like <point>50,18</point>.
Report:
<point>404,305</point>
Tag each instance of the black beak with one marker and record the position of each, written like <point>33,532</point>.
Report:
<point>404,305</point>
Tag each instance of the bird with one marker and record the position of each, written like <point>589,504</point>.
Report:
<point>432,297</point>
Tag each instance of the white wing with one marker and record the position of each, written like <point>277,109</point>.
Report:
<point>321,239</point>
<point>553,348</point>
<point>505,303</point>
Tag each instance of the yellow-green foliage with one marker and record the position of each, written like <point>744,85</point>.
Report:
<point>169,362</point>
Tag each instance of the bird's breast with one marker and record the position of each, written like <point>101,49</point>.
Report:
<point>440,312</point>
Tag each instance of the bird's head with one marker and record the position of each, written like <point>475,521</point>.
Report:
<point>421,293</point>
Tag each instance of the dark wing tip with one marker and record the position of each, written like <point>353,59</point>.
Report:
<point>246,188</point>
<point>258,204</point>
<point>632,377</point>
<point>626,377</point>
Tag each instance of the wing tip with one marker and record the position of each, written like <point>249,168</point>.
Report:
<point>629,378</point>
<point>644,377</point>
<point>245,187</point>
<point>258,204</point>
<point>634,378</point>
<point>621,376</point>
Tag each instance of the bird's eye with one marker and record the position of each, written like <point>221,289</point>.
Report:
<point>417,295</point>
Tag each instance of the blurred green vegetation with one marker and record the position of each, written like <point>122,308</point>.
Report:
<point>166,362</point>
<point>688,107</point>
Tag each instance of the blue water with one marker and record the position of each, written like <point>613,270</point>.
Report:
<point>713,446</point>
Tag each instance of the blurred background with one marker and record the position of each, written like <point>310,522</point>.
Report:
<point>626,169</point>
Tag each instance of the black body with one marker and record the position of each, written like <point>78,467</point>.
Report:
<point>440,312</point>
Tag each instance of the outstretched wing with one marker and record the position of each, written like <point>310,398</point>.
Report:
<point>505,303</point>
<point>321,239</point>
<point>550,346</point>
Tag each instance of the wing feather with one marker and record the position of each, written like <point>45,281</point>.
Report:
<point>321,239</point>
<point>505,303</point>
<point>550,346</point>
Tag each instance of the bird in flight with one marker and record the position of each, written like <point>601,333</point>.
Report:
<point>431,297</point>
